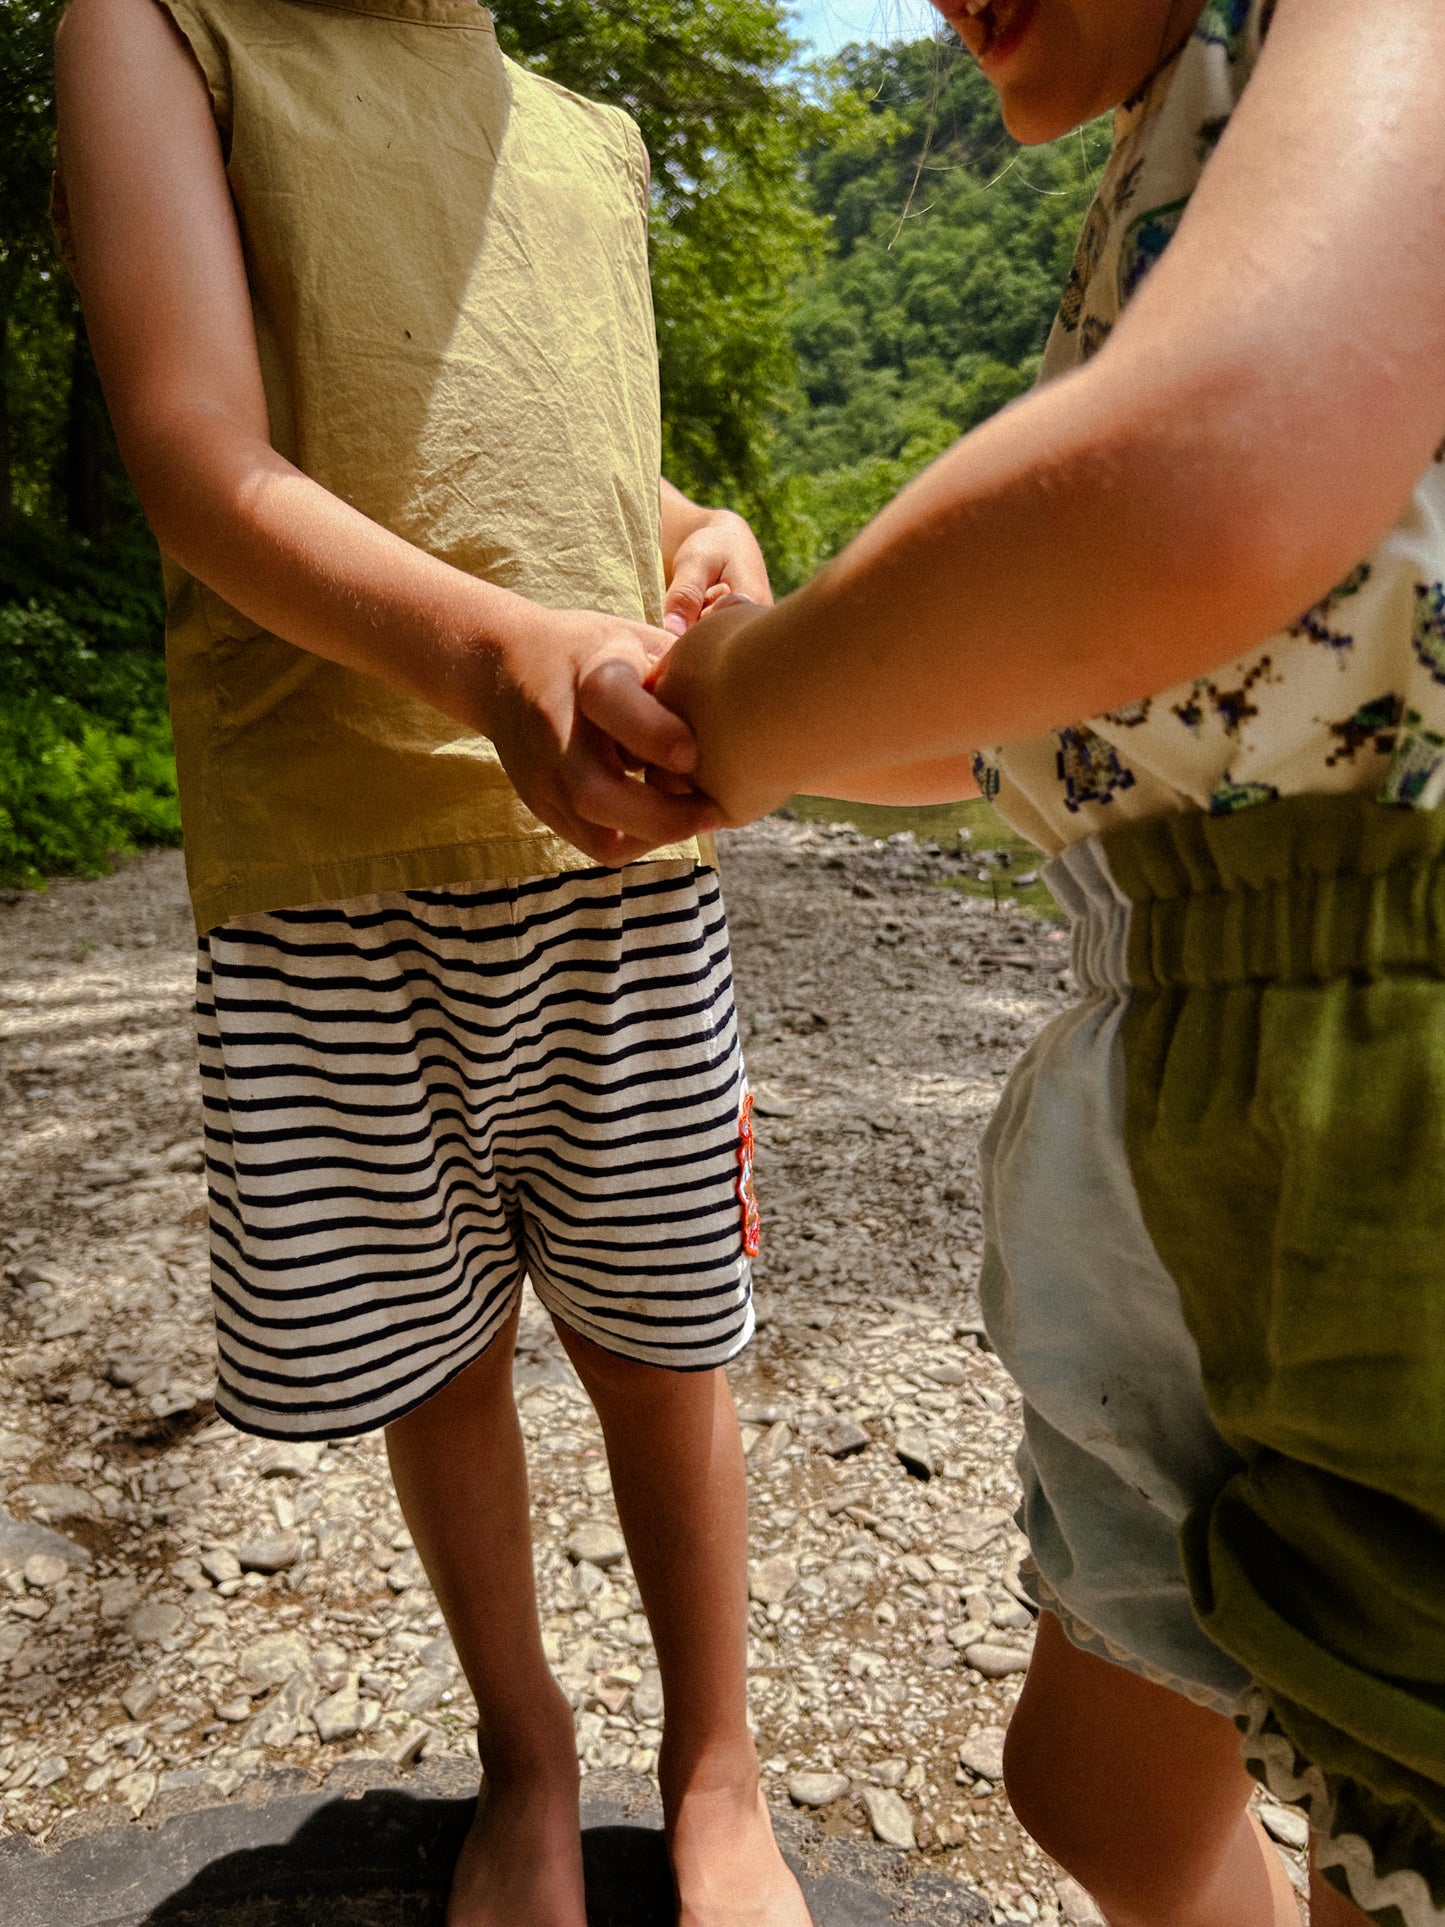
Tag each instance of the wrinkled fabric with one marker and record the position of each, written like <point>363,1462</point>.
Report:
<point>447,258</point>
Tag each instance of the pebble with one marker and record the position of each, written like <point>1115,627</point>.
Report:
<point>61,1502</point>
<point>424,1692</point>
<point>817,1789</point>
<point>1285,1824</point>
<point>50,1771</point>
<point>338,1717</point>
<point>45,1569</point>
<point>845,1438</point>
<point>596,1545</point>
<point>982,1753</point>
<point>273,1553</point>
<point>889,1817</point>
<point>220,1564</point>
<point>271,1661</point>
<point>771,1580</point>
<point>22,1539</point>
<point>915,1454</point>
<point>947,1372</point>
<point>647,1696</point>
<point>293,1459</point>
<point>140,1694</point>
<point>996,1662</point>
<point>156,1620</point>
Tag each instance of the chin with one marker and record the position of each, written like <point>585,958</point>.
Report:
<point>1034,123</point>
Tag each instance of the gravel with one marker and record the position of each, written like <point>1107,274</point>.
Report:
<point>178,1600</point>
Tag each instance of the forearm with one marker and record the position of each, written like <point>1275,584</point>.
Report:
<point>1088,547</point>
<point>306,566</point>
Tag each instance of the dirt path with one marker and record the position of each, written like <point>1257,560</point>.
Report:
<point>215,1604</point>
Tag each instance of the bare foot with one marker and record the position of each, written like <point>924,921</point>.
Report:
<point>521,1864</point>
<point>726,1863</point>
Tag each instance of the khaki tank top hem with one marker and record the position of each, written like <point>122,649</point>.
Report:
<point>487,860</point>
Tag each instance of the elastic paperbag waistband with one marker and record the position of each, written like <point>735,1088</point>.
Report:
<point>1302,889</point>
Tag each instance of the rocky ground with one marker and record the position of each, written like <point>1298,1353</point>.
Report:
<point>181,1607</point>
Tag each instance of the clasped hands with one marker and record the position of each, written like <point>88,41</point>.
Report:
<point>583,704</point>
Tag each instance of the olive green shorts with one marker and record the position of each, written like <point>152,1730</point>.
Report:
<point>1216,1267</point>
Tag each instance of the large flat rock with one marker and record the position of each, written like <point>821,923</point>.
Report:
<point>374,1848</point>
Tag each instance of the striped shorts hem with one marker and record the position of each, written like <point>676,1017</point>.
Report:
<point>415,1100</point>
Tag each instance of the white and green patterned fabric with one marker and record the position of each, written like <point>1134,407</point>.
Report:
<point>1351,698</point>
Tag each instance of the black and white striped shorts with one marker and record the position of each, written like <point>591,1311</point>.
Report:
<point>411,1100</point>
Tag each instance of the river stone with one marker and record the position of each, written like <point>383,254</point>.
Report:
<point>424,1692</point>
<point>771,1580</point>
<point>647,1696</point>
<point>61,1502</point>
<point>272,1553</point>
<point>845,1438</point>
<point>596,1545</point>
<point>156,1619</point>
<point>889,1817</point>
<point>982,1753</point>
<point>220,1565</point>
<point>338,1717</point>
<point>996,1662</point>
<point>22,1539</point>
<point>947,1371</point>
<point>290,1459</point>
<point>915,1454</point>
<point>45,1569</point>
<point>271,1661</point>
<point>439,1655</point>
<point>817,1789</point>
<point>140,1694</point>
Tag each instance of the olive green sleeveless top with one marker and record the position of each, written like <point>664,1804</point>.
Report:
<point>448,266</point>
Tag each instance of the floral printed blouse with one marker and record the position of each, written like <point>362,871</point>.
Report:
<point>1352,696</point>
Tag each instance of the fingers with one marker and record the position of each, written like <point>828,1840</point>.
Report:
<point>603,795</point>
<point>613,698</point>
<point>687,595</point>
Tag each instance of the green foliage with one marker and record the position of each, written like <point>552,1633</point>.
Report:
<point>76,790</point>
<point>949,246</point>
<point>86,765</point>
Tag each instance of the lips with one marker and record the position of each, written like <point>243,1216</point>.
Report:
<point>992,29</point>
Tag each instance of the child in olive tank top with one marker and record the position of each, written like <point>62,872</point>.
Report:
<point>371,307</point>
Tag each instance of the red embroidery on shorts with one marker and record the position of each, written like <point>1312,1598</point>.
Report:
<point>747,1197</point>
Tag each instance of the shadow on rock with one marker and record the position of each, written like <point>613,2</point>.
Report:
<point>386,1860</point>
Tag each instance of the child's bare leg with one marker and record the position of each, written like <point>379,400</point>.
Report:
<point>461,1476</point>
<point>677,1472</point>
<point>1141,1795</point>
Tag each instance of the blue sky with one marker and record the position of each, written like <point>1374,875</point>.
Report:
<point>830,24</point>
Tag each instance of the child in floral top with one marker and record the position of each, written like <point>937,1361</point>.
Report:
<point>1215,1214</point>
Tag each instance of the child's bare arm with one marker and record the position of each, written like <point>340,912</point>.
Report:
<point>161,273</point>
<point>1257,421</point>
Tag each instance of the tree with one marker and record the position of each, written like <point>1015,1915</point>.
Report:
<point>27,28</point>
